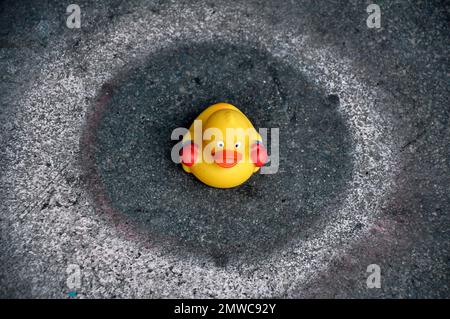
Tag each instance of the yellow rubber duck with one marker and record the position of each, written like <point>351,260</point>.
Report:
<point>222,148</point>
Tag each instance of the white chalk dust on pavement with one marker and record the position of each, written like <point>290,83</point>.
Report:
<point>47,120</point>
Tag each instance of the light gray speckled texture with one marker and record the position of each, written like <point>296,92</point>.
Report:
<point>392,209</point>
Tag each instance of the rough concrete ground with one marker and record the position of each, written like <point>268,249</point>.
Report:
<point>86,176</point>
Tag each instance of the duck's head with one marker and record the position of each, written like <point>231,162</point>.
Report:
<point>228,139</point>
<point>228,151</point>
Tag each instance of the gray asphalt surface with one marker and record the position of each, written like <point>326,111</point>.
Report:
<point>86,177</point>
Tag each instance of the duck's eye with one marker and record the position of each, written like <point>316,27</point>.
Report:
<point>237,145</point>
<point>220,144</point>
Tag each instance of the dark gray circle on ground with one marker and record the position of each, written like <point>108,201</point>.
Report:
<point>169,90</point>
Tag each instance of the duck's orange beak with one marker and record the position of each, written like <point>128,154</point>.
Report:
<point>226,158</point>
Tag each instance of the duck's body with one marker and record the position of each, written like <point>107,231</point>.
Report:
<point>231,149</point>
